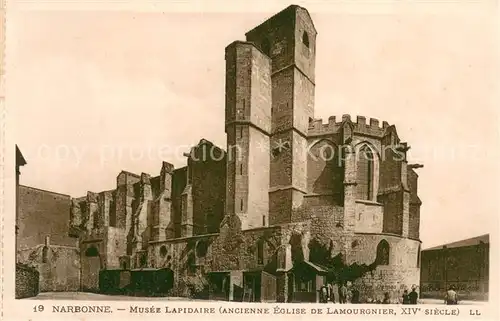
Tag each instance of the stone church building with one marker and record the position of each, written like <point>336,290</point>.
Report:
<point>263,218</point>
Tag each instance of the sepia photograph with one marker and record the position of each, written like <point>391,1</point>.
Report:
<point>289,153</point>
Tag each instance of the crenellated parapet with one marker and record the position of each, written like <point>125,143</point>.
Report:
<point>361,126</point>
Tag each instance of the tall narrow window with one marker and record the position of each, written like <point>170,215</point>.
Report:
<point>263,220</point>
<point>112,213</point>
<point>95,218</point>
<point>260,252</point>
<point>241,169</point>
<point>184,206</point>
<point>241,204</point>
<point>241,132</point>
<point>418,256</point>
<point>45,254</point>
<point>305,39</point>
<point>383,251</point>
<point>364,175</point>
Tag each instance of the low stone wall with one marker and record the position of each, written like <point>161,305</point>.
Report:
<point>27,279</point>
<point>58,266</point>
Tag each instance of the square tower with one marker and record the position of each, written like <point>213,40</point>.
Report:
<point>289,39</point>
<point>248,126</point>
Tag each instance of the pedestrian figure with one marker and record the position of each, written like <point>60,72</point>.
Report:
<point>387,298</point>
<point>355,296</point>
<point>413,295</point>
<point>323,295</point>
<point>331,296</point>
<point>406,297</point>
<point>451,297</point>
<point>335,293</point>
<point>343,294</point>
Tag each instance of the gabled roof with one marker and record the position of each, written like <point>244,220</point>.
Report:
<point>20,161</point>
<point>292,8</point>
<point>463,243</point>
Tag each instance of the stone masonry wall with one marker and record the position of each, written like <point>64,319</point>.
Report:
<point>369,217</point>
<point>58,267</point>
<point>401,273</point>
<point>41,214</point>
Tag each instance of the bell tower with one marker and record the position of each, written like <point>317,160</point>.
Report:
<point>248,126</point>
<point>289,40</point>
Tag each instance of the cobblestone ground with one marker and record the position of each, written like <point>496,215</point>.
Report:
<point>84,296</point>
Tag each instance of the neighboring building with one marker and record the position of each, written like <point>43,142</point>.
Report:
<point>263,219</point>
<point>463,264</point>
<point>20,161</point>
<point>43,241</point>
<point>27,276</point>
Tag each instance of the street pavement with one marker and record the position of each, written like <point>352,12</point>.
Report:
<point>85,296</point>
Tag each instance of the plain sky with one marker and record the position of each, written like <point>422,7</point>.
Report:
<point>92,92</point>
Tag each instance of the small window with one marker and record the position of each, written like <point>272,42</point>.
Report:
<point>112,213</point>
<point>241,169</point>
<point>305,39</point>
<point>418,256</point>
<point>143,260</point>
<point>241,204</point>
<point>92,251</point>
<point>264,220</point>
<point>45,254</point>
<point>201,249</point>
<point>241,132</point>
<point>383,251</point>
<point>163,251</point>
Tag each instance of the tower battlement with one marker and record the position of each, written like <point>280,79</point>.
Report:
<point>318,127</point>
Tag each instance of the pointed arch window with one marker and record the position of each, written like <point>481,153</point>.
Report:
<point>364,175</point>
<point>305,39</point>
<point>45,254</point>
<point>383,251</point>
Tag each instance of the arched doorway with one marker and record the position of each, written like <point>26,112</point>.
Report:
<point>91,266</point>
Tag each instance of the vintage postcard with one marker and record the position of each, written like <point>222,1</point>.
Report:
<point>227,159</point>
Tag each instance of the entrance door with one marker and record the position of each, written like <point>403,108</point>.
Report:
<point>91,266</point>
<point>251,284</point>
<point>268,287</point>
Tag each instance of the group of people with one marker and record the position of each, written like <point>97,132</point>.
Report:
<point>341,294</point>
<point>410,298</point>
<point>330,293</point>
